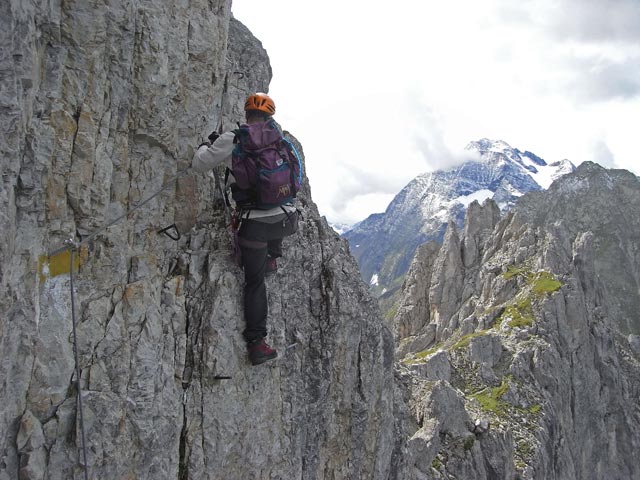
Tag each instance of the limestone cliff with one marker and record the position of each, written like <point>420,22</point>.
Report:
<point>102,103</point>
<point>520,338</point>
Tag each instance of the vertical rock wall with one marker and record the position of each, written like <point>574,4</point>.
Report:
<point>102,103</point>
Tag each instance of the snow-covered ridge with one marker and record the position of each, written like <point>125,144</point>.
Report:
<point>542,173</point>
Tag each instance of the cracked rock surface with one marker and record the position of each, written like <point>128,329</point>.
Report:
<point>525,326</point>
<point>101,105</point>
<point>514,353</point>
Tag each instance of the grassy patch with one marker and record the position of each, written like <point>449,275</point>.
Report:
<point>489,398</point>
<point>544,283</point>
<point>541,282</point>
<point>535,408</point>
<point>426,353</point>
<point>520,313</point>
<point>418,357</point>
<point>513,271</point>
<point>524,449</point>
<point>464,341</point>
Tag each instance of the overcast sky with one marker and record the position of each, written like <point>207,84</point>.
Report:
<point>380,92</point>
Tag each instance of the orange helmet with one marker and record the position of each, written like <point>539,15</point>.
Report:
<point>261,102</point>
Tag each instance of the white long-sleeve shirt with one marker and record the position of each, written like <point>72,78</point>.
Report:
<point>208,157</point>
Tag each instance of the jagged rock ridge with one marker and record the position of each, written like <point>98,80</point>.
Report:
<point>529,323</point>
<point>384,244</point>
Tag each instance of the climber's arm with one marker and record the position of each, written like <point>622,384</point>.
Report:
<point>207,157</point>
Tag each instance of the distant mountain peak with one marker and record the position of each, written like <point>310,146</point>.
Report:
<point>485,145</point>
<point>384,244</point>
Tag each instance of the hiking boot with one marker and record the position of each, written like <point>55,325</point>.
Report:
<point>260,352</point>
<point>272,266</point>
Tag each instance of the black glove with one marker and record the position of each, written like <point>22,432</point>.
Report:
<point>213,136</point>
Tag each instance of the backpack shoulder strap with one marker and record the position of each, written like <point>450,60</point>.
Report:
<point>293,148</point>
<point>238,134</point>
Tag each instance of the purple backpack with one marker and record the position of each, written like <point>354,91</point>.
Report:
<point>266,167</point>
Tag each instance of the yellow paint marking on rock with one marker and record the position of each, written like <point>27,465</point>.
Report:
<point>52,266</point>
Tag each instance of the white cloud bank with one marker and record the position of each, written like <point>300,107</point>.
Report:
<point>379,93</point>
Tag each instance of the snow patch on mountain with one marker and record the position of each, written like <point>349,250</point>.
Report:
<point>442,214</point>
<point>542,173</point>
<point>480,196</point>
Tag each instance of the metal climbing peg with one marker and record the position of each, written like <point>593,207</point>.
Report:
<point>165,230</point>
<point>71,244</point>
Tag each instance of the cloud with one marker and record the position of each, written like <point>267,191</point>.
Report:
<point>352,212</point>
<point>596,20</point>
<point>428,138</point>
<point>587,21</point>
<point>437,155</point>
<point>585,49</point>
<point>602,154</point>
<point>357,182</point>
<point>597,80</point>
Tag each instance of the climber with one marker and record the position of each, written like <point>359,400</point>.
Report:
<point>265,218</point>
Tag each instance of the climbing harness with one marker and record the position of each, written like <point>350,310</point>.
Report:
<point>233,227</point>
<point>225,199</point>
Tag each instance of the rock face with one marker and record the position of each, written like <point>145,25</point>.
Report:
<point>522,331</point>
<point>101,106</point>
<point>519,336</point>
